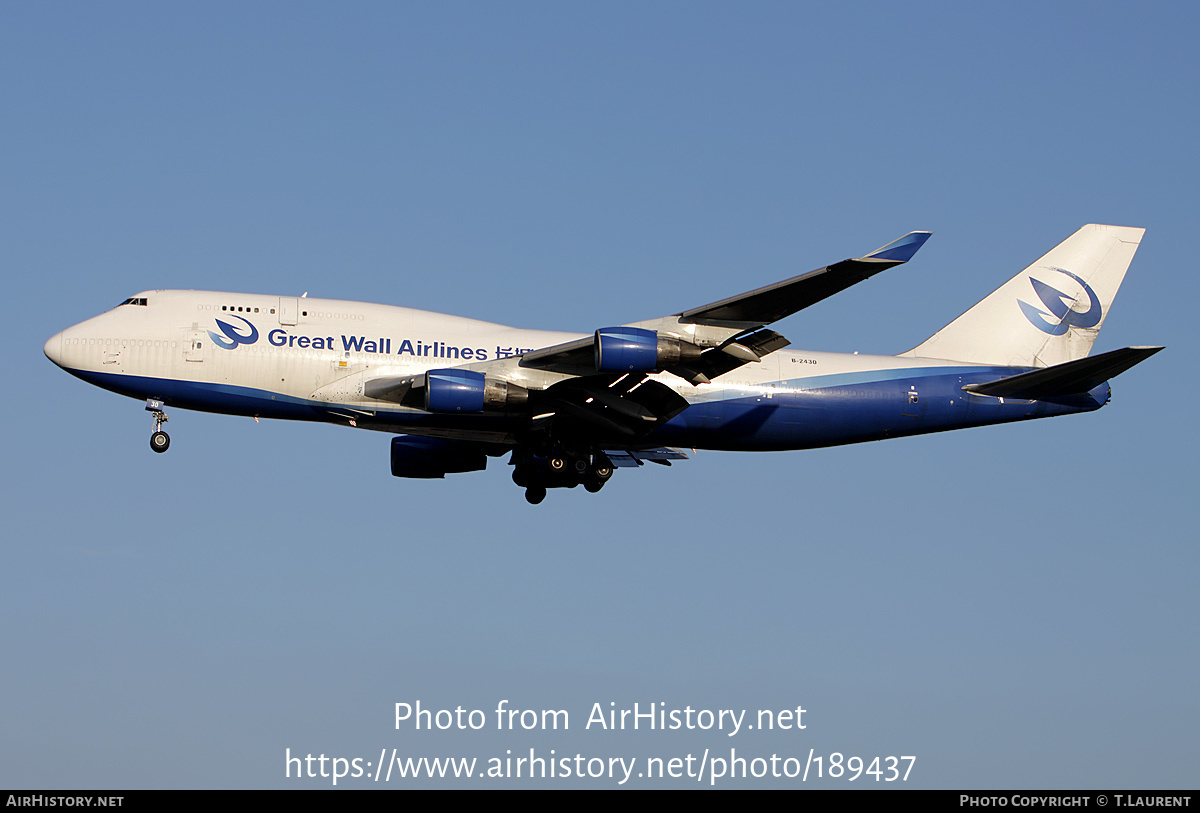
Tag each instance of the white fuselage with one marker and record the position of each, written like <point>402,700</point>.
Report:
<point>569,407</point>
<point>309,359</point>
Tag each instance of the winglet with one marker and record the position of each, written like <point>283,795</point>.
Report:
<point>901,250</point>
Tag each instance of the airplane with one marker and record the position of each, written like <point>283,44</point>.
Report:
<point>569,408</point>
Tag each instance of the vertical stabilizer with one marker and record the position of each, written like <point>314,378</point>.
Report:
<point>1048,314</point>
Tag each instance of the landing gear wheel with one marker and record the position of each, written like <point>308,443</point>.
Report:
<point>159,441</point>
<point>535,494</point>
<point>597,475</point>
<point>600,471</point>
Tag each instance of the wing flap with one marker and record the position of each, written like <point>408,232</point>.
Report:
<point>624,406</point>
<point>632,458</point>
<point>744,348</point>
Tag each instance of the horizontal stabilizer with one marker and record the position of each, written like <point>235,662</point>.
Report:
<point>1069,378</point>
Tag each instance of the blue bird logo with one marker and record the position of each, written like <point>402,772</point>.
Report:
<point>232,338</point>
<point>1059,306</point>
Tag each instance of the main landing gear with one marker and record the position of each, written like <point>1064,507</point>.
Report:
<point>160,441</point>
<point>561,470</point>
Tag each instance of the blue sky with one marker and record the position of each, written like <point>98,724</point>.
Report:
<point>1012,605</point>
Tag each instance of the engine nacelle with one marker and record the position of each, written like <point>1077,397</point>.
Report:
<point>454,391</point>
<point>635,349</point>
<point>434,457</point>
<point>468,391</point>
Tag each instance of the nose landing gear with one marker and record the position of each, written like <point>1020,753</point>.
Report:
<point>160,441</point>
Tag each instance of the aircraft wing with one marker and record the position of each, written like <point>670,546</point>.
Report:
<point>600,387</point>
<point>771,303</point>
<point>726,334</point>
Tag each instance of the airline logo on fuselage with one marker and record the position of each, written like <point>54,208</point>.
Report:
<point>1061,316</point>
<point>231,336</point>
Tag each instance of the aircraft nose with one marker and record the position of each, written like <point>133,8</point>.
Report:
<point>53,348</point>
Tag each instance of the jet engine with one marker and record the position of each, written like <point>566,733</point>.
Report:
<point>637,350</point>
<point>428,458</point>
<point>456,390</point>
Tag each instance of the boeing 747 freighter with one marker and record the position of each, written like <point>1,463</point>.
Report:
<point>569,408</point>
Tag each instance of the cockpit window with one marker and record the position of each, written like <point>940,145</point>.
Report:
<point>134,300</point>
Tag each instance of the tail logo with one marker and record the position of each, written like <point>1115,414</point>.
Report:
<point>1061,317</point>
<point>232,337</point>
